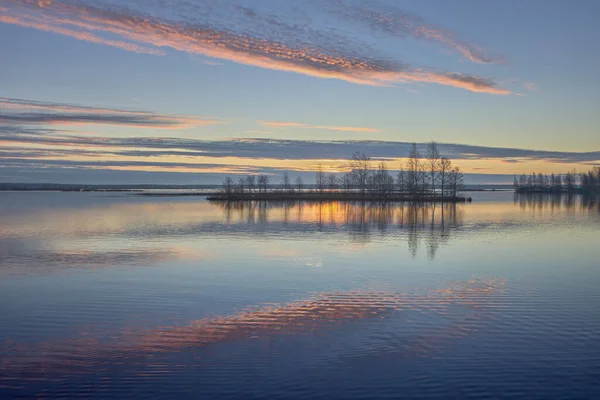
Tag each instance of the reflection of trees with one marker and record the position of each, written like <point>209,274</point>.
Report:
<point>419,223</point>
<point>591,203</point>
<point>429,224</point>
<point>544,203</point>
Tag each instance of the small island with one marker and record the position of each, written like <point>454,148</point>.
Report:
<point>431,178</point>
<point>586,183</point>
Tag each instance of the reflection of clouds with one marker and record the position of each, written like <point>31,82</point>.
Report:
<point>22,259</point>
<point>85,353</point>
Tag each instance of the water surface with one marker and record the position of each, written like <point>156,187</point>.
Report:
<point>112,294</point>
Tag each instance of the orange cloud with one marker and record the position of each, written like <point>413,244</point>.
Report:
<point>77,20</point>
<point>86,36</point>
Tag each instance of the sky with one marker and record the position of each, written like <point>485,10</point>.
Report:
<point>188,91</point>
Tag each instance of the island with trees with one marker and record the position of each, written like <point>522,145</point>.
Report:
<point>587,183</point>
<point>431,177</point>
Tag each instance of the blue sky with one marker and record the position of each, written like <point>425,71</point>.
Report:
<point>508,74</point>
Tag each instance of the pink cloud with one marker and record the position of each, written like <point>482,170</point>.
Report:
<point>88,37</point>
<point>149,35</point>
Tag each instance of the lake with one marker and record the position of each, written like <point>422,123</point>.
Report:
<point>118,295</point>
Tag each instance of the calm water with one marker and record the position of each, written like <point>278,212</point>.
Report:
<point>119,295</point>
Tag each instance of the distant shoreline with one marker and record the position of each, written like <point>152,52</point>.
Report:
<point>175,191</point>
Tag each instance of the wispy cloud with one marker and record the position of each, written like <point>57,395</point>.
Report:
<point>281,124</point>
<point>32,22</point>
<point>275,149</point>
<point>212,63</point>
<point>29,112</point>
<point>130,165</point>
<point>264,41</point>
<point>393,21</point>
<point>531,86</point>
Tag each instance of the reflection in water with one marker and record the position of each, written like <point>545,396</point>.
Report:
<point>550,202</point>
<point>117,231</point>
<point>85,354</point>
<point>421,222</point>
<point>184,329</point>
<point>14,255</point>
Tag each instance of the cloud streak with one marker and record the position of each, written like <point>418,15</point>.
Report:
<point>279,124</point>
<point>274,149</point>
<point>28,112</point>
<point>397,23</point>
<point>295,48</point>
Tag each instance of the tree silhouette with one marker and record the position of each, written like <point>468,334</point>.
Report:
<point>332,182</point>
<point>228,185</point>
<point>360,167</point>
<point>251,183</point>
<point>299,184</point>
<point>445,169</point>
<point>413,171</point>
<point>433,164</point>
<point>285,181</point>
<point>417,181</point>
<point>320,178</point>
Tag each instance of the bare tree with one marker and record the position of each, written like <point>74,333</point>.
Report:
<point>423,177</point>
<point>413,169</point>
<point>285,181</point>
<point>228,185</point>
<point>401,180</point>
<point>332,182</point>
<point>590,181</point>
<point>241,185</point>
<point>251,183</point>
<point>263,183</point>
<point>522,181</point>
<point>347,182</point>
<point>320,178</point>
<point>456,181</point>
<point>380,182</point>
<point>570,178</point>
<point>360,167</point>
<point>299,184</point>
<point>444,170</point>
<point>433,161</point>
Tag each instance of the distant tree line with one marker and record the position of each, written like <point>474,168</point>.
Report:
<point>571,182</point>
<point>422,176</point>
